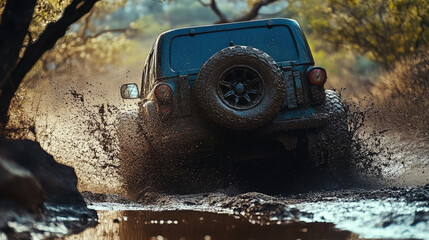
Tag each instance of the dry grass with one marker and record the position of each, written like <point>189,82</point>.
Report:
<point>402,96</point>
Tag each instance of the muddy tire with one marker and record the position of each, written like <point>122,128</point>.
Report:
<point>329,148</point>
<point>240,88</point>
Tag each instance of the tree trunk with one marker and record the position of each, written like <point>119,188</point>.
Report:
<point>10,82</point>
<point>15,21</point>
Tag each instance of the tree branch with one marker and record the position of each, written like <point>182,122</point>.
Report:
<point>86,26</point>
<point>216,10</point>
<point>117,30</point>
<point>53,31</point>
<point>253,13</point>
<point>204,4</point>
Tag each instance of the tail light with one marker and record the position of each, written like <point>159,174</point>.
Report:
<point>317,76</point>
<point>163,92</point>
<point>164,110</point>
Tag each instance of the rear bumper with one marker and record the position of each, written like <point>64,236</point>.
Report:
<point>298,119</point>
<point>194,135</point>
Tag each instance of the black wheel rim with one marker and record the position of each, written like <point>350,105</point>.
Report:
<point>241,87</point>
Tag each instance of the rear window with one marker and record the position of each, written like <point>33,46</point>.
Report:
<point>191,52</point>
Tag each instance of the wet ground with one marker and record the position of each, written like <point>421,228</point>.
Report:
<point>82,134</point>
<point>393,206</point>
<point>387,213</point>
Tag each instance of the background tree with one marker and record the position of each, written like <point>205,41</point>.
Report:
<point>20,48</point>
<point>252,13</point>
<point>386,30</point>
<point>88,41</point>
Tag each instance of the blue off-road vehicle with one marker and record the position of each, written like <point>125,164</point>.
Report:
<point>241,91</point>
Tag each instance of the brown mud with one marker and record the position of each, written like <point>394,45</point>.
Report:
<point>388,182</point>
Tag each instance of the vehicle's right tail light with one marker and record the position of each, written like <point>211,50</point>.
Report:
<point>317,76</point>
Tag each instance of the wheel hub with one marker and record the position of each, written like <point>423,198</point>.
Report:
<point>240,87</point>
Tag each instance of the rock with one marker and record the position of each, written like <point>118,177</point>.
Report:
<point>19,185</point>
<point>58,181</point>
<point>31,179</point>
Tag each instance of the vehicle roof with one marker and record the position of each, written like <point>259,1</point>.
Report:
<point>163,41</point>
<point>228,26</point>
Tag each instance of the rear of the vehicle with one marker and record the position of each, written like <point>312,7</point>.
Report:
<point>242,79</point>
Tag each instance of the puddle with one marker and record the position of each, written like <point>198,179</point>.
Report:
<point>389,213</point>
<point>387,219</point>
<point>190,224</point>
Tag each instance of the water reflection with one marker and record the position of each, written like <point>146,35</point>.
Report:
<point>182,225</point>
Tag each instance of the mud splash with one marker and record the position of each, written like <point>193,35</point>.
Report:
<point>395,156</point>
<point>78,124</point>
<point>74,118</point>
<point>85,135</point>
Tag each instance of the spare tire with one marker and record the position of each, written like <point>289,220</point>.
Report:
<point>240,88</point>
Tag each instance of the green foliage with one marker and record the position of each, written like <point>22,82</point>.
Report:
<point>385,30</point>
<point>2,5</point>
<point>46,11</point>
<point>87,42</point>
<point>74,52</point>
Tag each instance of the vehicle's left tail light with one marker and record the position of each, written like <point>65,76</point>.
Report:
<point>164,110</point>
<point>163,92</point>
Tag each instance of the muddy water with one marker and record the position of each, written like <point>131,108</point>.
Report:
<point>201,225</point>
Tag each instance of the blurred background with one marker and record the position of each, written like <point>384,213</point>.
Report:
<point>375,53</point>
